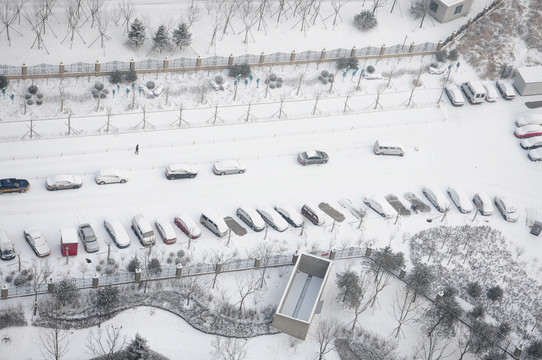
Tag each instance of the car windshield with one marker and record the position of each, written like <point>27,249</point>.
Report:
<point>148,233</point>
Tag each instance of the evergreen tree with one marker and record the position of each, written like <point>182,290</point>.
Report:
<point>65,292</point>
<point>108,297</point>
<point>4,82</point>
<point>138,349</point>
<point>181,36</point>
<point>161,39</point>
<point>137,33</point>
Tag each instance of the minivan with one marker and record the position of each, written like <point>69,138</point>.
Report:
<point>383,147</point>
<point>214,222</point>
<point>474,91</point>
<point>314,214</point>
<point>7,251</point>
<point>143,230</point>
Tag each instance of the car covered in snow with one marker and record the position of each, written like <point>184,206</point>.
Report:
<point>531,143</point>
<point>312,157</point>
<point>165,230</point>
<point>181,171</point>
<point>118,233</point>
<point>455,95</point>
<point>13,185</point>
<point>88,237</point>
<point>436,197</point>
<point>491,93</point>
<point>531,119</point>
<point>289,214</point>
<point>506,90</point>
<point>528,131</point>
<point>483,203</point>
<point>250,216</point>
<point>507,208</point>
<point>188,226</point>
<point>227,167</point>
<point>273,218</point>
<point>460,199</point>
<point>62,182</point>
<point>37,242</point>
<point>381,206</point>
<point>7,249</point>
<point>535,155</point>
<point>111,176</point>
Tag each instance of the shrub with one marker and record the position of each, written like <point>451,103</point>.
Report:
<point>9,279</point>
<point>12,317</point>
<point>219,80</point>
<point>103,95</point>
<point>453,55</point>
<point>478,312</point>
<point>370,69</point>
<point>178,261</point>
<point>33,89</point>
<point>99,268</point>
<point>4,82</point>
<point>272,85</point>
<point>39,102</point>
<point>27,96</point>
<point>365,20</point>
<point>20,280</point>
<point>279,79</point>
<point>107,297</point>
<point>504,329</point>
<point>272,77</point>
<point>180,253</point>
<point>239,69</point>
<point>95,93</point>
<point>344,62</point>
<point>279,84</point>
<point>150,85</point>
<point>474,289</point>
<point>154,266</point>
<point>65,292</point>
<point>441,55</point>
<point>115,77</point>
<point>495,293</point>
<point>133,264</point>
<point>169,260</point>
<point>324,73</point>
<point>110,269</point>
<point>171,254</point>
<point>29,102</point>
<point>99,86</point>
<point>39,95</point>
<point>130,76</point>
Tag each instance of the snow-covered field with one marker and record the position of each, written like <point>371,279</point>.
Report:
<point>472,147</point>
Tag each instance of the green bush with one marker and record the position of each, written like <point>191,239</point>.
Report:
<point>115,77</point>
<point>134,264</point>
<point>370,69</point>
<point>4,82</point>
<point>441,55</point>
<point>130,76</point>
<point>343,62</point>
<point>239,69</point>
<point>453,55</point>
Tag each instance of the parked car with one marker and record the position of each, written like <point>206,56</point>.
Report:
<point>314,214</point>
<point>531,119</point>
<point>507,208</point>
<point>62,182</point>
<point>181,171</point>
<point>213,221</point>
<point>460,199</point>
<point>381,206</point>
<point>531,143</point>
<point>88,237</point>
<point>188,226</point>
<point>455,95</point>
<point>251,217</point>
<point>436,197</point>
<point>165,229</point>
<point>7,249</point>
<point>273,218</point>
<point>143,230</point>
<point>117,232</point>
<point>491,93</point>
<point>528,131</point>
<point>111,176</point>
<point>227,167</point>
<point>506,90</point>
<point>13,185</point>
<point>535,155</point>
<point>483,203</point>
<point>386,147</point>
<point>474,91</point>
<point>289,214</point>
<point>37,242</point>
<point>312,157</point>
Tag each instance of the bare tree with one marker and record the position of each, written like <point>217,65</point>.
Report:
<point>43,9</point>
<point>263,9</point>
<point>432,348</point>
<point>127,11</point>
<point>54,341</point>
<point>281,10</point>
<point>264,251</point>
<point>325,333</point>
<point>353,290</point>
<point>249,17</point>
<point>106,346</point>
<point>337,5</point>
<point>40,273</point>
<point>229,349</point>
<point>102,20</point>
<point>95,7</point>
<point>191,286</point>
<point>245,287</point>
<point>72,15</point>
<point>406,309</point>
<point>8,13</point>
<point>193,14</point>
<point>227,9</point>
<point>378,4</point>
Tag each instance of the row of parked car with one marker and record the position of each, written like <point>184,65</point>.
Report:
<point>476,93</point>
<point>529,130</point>
<point>464,204</point>
<point>278,218</point>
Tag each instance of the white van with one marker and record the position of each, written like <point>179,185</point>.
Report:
<point>474,91</point>
<point>143,230</point>
<point>385,147</point>
<point>214,222</point>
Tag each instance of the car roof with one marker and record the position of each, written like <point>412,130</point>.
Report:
<point>33,232</point>
<point>229,163</point>
<point>63,177</point>
<point>183,166</point>
<point>112,171</point>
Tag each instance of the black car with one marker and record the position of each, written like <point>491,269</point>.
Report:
<point>312,157</point>
<point>181,171</point>
<point>14,185</point>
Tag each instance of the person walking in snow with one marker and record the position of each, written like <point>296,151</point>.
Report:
<point>137,149</point>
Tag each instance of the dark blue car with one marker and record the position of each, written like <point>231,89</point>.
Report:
<point>14,185</point>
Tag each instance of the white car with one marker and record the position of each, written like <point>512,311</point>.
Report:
<point>37,242</point>
<point>111,176</point>
<point>535,155</point>
<point>506,90</point>
<point>117,232</point>
<point>491,93</point>
<point>483,203</point>
<point>381,206</point>
<point>251,217</point>
<point>273,218</point>
<point>436,197</point>
<point>61,182</point>
<point>460,199</point>
<point>531,119</point>
<point>227,167</point>
<point>455,95</point>
<point>531,143</point>
<point>165,229</point>
<point>289,214</point>
<point>188,226</point>
<point>506,208</point>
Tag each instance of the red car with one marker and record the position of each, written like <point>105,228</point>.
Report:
<point>188,226</point>
<point>528,131</point>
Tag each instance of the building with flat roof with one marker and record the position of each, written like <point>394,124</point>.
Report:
<point>447,10</point>
<point>529,80</point>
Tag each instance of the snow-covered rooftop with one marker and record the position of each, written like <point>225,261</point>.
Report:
<point>531,74</point>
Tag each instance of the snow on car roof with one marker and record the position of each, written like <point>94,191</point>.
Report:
<point>112,171</point>
<point>312,153</point>
<point>63,177</point>
<point>183,166</point>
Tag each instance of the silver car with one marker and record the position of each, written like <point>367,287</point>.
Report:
<point>227,167</point>
<point>111,176</point>
<point>506,208</point>
<point>483,203</point>
<point>88,237</point>
<point>460,199</point>
<point>436,197</point>
<point>61,182</point>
